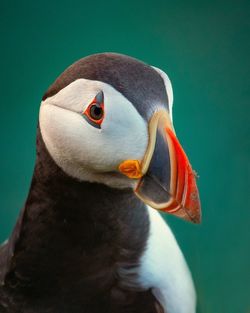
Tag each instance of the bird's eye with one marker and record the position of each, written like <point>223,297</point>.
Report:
<point>94,113</point>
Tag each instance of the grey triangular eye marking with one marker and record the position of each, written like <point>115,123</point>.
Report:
<point>99,98</point>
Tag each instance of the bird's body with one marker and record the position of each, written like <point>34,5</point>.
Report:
<point>83,246</point>
<point>67,251</point>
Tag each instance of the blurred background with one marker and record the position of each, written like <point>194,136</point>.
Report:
<point>204,46</point>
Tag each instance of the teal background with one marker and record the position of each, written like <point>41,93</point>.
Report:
<point>204,47</point>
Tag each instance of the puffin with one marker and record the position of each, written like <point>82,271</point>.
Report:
<point>90,237</point>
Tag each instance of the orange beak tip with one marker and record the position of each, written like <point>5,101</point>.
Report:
<point>185,192</point>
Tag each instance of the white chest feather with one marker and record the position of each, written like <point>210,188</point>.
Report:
<point>163,268</point>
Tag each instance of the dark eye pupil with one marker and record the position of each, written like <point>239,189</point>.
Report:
<point>96,112</point>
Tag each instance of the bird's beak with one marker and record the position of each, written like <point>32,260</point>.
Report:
<point>165,177</point>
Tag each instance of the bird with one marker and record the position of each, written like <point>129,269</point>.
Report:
<point>90,237</point>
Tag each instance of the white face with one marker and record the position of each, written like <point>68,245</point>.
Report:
<point>84,151</point>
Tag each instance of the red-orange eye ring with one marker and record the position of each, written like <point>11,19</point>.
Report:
<point>95,111</point>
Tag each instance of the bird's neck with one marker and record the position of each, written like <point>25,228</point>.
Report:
<point>70,230</point>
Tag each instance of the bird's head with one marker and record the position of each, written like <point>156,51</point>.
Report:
<point>108,119</point>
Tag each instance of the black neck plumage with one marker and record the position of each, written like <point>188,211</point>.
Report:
<point>73,235</point>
